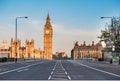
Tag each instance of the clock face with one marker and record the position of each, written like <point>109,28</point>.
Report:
<point>47,31</point>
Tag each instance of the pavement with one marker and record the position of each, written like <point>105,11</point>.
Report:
<point>12,62</point>
<point>103,62</point>
<point>59,70</point>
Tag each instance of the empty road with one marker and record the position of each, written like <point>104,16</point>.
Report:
<point>59,70</point>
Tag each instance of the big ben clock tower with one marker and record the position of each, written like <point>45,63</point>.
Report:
<point>48,32</point>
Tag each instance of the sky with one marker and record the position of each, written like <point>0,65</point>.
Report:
<point>72,20</point>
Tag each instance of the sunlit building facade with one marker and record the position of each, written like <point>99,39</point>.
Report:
<point>4,50</point>
<point>84,51</point>
<point>48,33</point>
<point>15,50</point>
<point>61,55</point>
<point>24,52</point>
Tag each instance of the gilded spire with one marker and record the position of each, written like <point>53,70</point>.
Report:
<point>48,18</point>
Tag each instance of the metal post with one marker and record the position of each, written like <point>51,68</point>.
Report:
<point>34,54</point>
<point>97,51</point>
<point>112,32</point>
<point>119,58</point>
<point>16,40</point>
<point>16,37</point>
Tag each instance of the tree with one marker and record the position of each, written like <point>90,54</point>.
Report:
<point>105,35</point>
<point>111,35</point>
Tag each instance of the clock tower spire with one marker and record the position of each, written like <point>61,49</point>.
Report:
<point>48,19</point>
<point>48,32</point>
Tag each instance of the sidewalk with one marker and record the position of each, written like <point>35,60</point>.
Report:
<point>6,63</point>
<point>106,62</point>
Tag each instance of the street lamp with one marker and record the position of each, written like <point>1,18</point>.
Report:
<point>97,51</point>
<point>16,36</point>
<point>111,41</point>
<point>34,54</point>
<point>106,17</point>
<point>111,32</point>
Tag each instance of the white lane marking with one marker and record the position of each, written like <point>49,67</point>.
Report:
<point>59,75</point>
<point>18,69</point>
<point>65,71</point>
<point>49,77</point>
<point>58,78</point>
<point>62,73</point>
<point>22,70</point>
<point>52,71</point>
<point>99,70</point>
<point>69,77</point>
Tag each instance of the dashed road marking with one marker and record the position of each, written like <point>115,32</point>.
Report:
<point>65,71</point>
<point>19,68</point>
<point>69,77</point>
<point>58,72</point>
<point>49,77</point>
<point>22,70</point>
<point>51,72</point>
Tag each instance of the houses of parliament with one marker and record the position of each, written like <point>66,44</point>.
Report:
<point>29,51</point>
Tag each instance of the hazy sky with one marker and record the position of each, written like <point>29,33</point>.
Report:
<point>72,20</point>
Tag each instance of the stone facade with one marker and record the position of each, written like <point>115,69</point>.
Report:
<point>4,51</point>
<point>61,55</point>
<point>48,33</point>
<point>16,45</point>
<point>84,51</point>
<point>29,51</point>
<point>21,52</point>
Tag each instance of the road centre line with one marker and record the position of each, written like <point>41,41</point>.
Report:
<point>99,70</point>
<point>69,77</point>
<point>65,71</point>
<point>20,68</point>
<point>49,77</point>
<point>52,71</point>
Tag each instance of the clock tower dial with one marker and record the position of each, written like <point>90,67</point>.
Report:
<point>48,32</point>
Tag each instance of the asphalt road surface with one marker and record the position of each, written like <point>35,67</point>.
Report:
<point>59,70</point>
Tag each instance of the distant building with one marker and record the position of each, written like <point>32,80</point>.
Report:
<point>4,50</point>
<point>29,51</point>
<point>4,44</point>
<point>15,48</point>
<point>84,51</point>
<point>22,52</point>
<point>60,55</point>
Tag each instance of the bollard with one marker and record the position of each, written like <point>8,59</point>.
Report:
<point>111,61</point>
